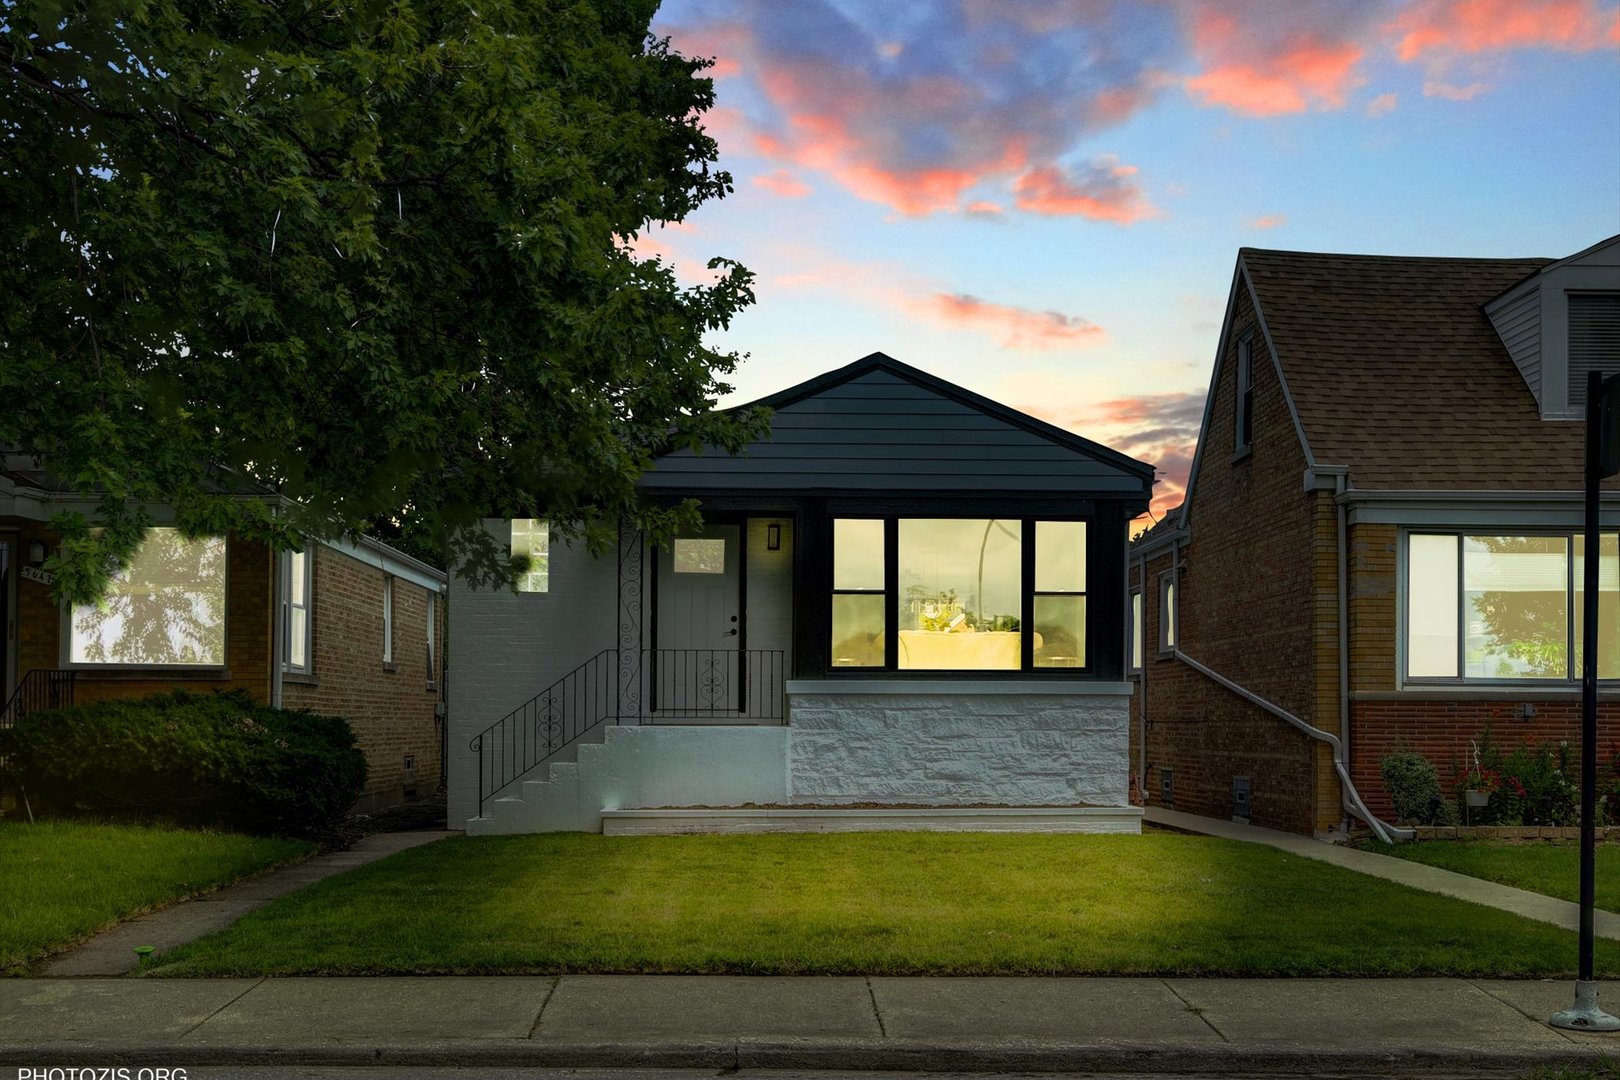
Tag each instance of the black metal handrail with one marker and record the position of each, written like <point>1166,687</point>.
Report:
<point>702,684</point>
<point>670,685</point>
<point>39,689</point>
<point>525,737</point>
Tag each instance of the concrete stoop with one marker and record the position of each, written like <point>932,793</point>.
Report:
<point>636,765</point>
<point>665,779</point>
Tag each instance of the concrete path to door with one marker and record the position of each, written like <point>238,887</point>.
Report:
<point>1531,905</point>
<point>113,952</point>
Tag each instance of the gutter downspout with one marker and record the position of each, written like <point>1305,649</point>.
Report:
<point>1142,674</point>
<point>1340,483</point>
<point>276,621</point>
<point>1352,798</point>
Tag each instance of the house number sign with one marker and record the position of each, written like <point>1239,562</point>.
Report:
<point>34,573</point>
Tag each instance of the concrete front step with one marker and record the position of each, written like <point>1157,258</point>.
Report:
<point>634,765</point>
<point>1041,819</point>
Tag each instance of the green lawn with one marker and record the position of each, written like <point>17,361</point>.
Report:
<point>61,881</point>
<point>876,903</point>
<point>1552,869</point>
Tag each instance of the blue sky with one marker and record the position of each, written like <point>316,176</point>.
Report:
<point>1044,201</point>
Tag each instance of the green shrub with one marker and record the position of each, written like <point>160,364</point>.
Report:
<point>1414,787</point>
<point>197,759</point>
<point>1543,793</point>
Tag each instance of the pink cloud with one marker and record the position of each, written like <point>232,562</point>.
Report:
<point>1270,61</point>
<point>917,120</point>
<point>1269,221</point>
<point>1435,88</point>
<point>1104,192</point>
<point>783,183</point>
<point>1021,328</point>
<point>1383,103</point>
<point>1476,26</point>
<point>1159,428</point>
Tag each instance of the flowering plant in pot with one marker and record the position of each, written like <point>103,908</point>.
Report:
<point>1478,784</point>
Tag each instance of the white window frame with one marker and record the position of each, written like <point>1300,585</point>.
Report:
<point>1402,630</point>
<point>388,618</point>
<point>536,580</point>
<point>1169,616</point>
<point>432,624</point>
<point>65,648</point>
<point>305,602</point>
<point>1243,408</point>
<point>1135,633</point>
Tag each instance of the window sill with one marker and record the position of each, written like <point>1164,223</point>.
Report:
<point>432,686</point>
<point>150,674</point>
<point>1485,692</point>
<point>300,678</point>
<point>1240,455</point>
<point>1019,682</point>
<point>389,667</point>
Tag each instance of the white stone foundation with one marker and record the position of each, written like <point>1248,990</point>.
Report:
<point>1045,755</point>
<point>955,742</point>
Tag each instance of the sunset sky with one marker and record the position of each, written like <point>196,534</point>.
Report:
<point>1043,201</point>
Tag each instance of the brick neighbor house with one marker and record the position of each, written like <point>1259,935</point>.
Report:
<point>1381,537</point>
<point>347,629</point>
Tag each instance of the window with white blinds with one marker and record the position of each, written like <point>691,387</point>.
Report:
<point>1594,341</point>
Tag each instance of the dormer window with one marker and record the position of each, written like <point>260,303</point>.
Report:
<point>1244,425</point>
<point>1561,322</point>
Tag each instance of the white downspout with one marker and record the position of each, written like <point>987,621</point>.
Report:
<point>1352,798</point>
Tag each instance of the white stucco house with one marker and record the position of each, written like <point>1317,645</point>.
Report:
<point>906,609</point>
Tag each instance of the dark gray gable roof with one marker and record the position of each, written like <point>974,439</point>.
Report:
<point>880,425</point>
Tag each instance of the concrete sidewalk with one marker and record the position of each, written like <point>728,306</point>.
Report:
<point>113,952</point>
<point>1166,1026</point>
<point>1531,905</point>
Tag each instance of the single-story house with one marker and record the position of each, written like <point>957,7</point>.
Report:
<point>1380,546</point>
<point>347,629</point>
<point>908,601</point>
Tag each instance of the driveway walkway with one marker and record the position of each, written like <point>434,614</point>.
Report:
<point>1162,1026</point>
<point>1531,905</point>
<point>113,953</point>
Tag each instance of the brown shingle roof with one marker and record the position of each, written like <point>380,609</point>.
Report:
<point>1398,373</point>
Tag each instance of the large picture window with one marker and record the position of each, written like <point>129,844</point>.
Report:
<point>966,594</point>
<point>165,609</point>
<point>1493,608</point>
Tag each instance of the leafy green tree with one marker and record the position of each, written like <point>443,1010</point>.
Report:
<point>369,257</point>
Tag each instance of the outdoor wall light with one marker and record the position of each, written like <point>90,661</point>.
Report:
<point>773,537</point>
<point>36,553</point>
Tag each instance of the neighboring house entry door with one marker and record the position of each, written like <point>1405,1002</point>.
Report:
<point>697,664</point>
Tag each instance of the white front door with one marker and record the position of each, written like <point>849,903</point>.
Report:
<point>697,667</point>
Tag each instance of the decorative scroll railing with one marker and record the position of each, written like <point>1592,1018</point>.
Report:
<point>743,686</point>
<point>39,690</point>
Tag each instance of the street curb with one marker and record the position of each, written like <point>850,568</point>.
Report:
<point>1027,1055</point>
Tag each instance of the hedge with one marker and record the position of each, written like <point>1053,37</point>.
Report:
<point>214,759</point>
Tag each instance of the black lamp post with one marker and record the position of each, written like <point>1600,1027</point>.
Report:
<point>1602,460</point>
